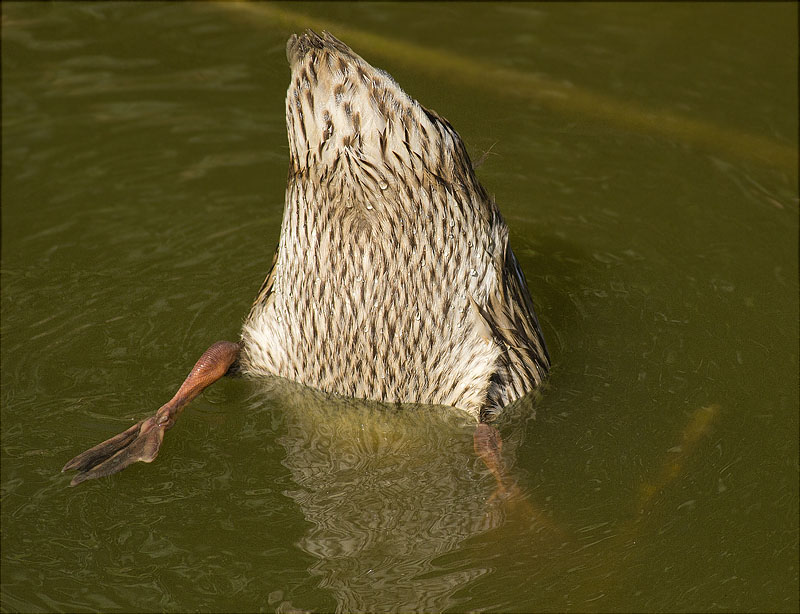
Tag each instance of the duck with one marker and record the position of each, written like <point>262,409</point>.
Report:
<point>393,279</point>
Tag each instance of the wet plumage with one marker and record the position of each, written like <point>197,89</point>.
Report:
<point>393,279</point>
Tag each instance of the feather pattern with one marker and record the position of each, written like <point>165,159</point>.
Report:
<point>393,279</point>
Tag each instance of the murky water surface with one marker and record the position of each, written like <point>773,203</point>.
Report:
<point>645,158</point>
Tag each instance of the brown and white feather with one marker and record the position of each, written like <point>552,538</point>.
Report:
<point>393,279</point>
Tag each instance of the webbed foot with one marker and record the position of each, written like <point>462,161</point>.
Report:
<point>141,442</point>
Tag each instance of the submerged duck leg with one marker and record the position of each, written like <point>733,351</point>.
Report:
<point>142,441</point>
<point>488,445</point>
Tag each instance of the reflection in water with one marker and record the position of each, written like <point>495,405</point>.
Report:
<point>387,490</point>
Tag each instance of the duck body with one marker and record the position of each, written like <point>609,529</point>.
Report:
<point>393,279</point>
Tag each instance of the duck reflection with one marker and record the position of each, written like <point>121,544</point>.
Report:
<point>387,490</point>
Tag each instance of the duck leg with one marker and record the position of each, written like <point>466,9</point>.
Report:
<point>142,441</point>
<point>488,445</point>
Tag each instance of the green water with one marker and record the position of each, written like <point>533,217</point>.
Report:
<point>144,162</point>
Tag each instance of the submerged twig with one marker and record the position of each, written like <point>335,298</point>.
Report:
<point>699,425</point>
